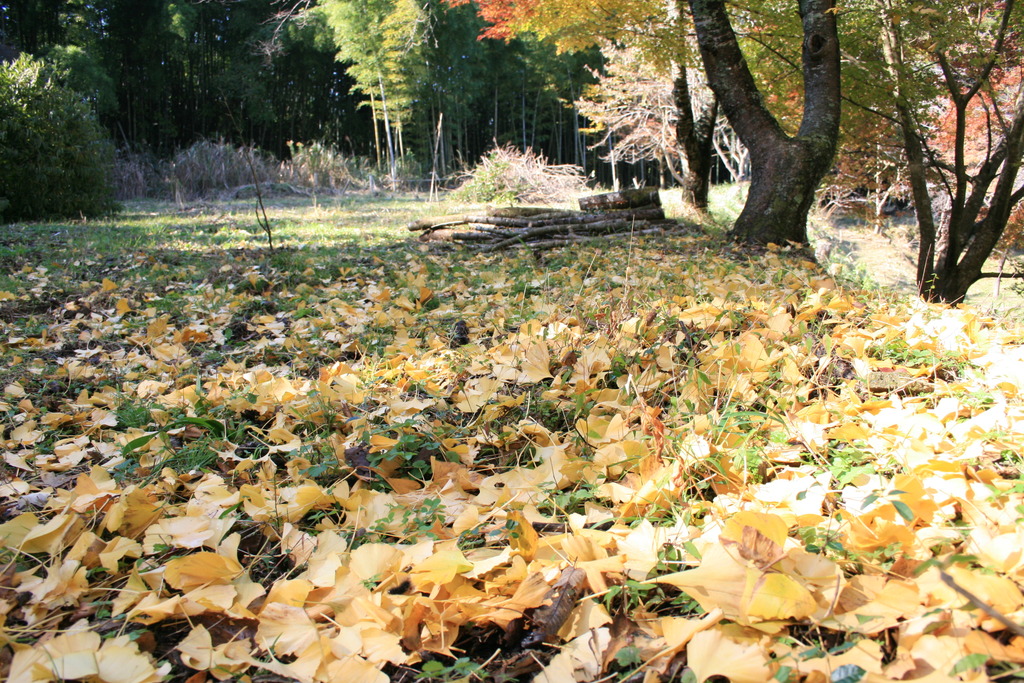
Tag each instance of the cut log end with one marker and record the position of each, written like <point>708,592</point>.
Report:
<point>624,199</point>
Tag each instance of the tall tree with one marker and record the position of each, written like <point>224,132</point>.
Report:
<point>785,169</point>
<point>655,30</point>
<point>956,92</point>
<point>650,117</point>
<point>695,129</point>
<point>33,25</point>
<point>381,40</point>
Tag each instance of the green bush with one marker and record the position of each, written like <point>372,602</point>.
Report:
<point>54,158</point>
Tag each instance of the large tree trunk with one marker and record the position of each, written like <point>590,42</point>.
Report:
<point>785,170</point>
<point>694,132</point>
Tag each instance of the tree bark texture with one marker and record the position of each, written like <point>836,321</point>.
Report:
<point>785,170</point>
<point>965,244</point>
<point>694,132</point>
<point>956,241</point>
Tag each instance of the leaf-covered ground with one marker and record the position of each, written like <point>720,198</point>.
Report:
<point>355,460</point>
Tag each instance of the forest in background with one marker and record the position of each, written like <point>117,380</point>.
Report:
<point>162,75</point>
<point>883,104</point>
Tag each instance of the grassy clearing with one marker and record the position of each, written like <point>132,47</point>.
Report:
<point>353,456</point>
<point>884,257</point>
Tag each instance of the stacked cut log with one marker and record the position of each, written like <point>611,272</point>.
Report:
<point>600,216</point>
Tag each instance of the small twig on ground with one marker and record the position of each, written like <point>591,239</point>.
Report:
<point>981,604</point>
<point>264,223</point>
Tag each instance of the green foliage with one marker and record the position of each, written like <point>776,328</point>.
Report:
<point>848,673</point>
<point>381,40</point>
<point>404,522</point>
<point>491,181</point>
<point>54,159</point>
<point>178,454</point>
<point>462,669</point>
<point>79,70</point>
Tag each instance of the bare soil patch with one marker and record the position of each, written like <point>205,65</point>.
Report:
<point>886,259</point>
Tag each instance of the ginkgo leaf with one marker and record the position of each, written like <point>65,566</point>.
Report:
<point>477,394</point>
<point>223,662</point>
<point>579,659</point>
<point>755,546</point>
<point>440,568</point>
<point>73,655</point>
<point>52,536</point>
<point>715,652</point>
<point>26,433</point>
<point>13,532</point>
<point>678,631</point>
<point>178,532</point>
<point>285,629</point>
<point>979,642</point>
<point>132,514</point>
<point>355,669</point>
<point>197,649</point>
<point>116,550</point>
<point>717,583</point>
<point>742,591</point>
<point>375,561</point>
<point>529,593</point>
<point>83,655</point>
<point>185,451</point>
<point>777,596</point>
<point>598,429</point>
<point>535,363</point>
<point>523,538</point>
<point>200,569</point>
<point>120,661</point>
<point>379,646</point>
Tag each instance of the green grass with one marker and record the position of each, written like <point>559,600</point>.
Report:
<point>159,242</point>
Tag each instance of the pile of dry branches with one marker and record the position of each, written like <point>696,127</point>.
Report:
<point>635,212</point>
<point>507,174</point>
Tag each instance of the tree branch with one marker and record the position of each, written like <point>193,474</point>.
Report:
<point>729,75</point>
<point>997,50</point>
<point>820,57</point>
<point>1015,276</point>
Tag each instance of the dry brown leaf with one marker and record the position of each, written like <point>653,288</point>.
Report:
<point>558,605</point>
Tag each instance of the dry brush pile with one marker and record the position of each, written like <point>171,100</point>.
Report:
<point>210,169</point>
<point>509,175</point>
